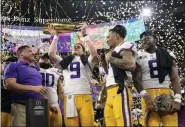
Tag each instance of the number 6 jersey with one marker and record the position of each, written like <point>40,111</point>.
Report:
<point>148,64</point>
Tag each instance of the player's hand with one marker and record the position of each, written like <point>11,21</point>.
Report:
<point>176,106</point>
<point>53,109</point>
<point>40,89</point>
<point>52,30</point>
<point>83,27</point>
<point>108,55</point>
<point>150,104</point>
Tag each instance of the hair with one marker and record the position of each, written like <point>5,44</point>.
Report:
<point>147,33</point>
<point>119,29</point>
<point>83,47</point>
<point>21,48</point>
<point>45,56</point>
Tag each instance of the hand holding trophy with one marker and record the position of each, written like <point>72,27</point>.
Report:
<point>55,28</point>
<point>60,27</point>
<point>52,30</point>
<point>82,27</point>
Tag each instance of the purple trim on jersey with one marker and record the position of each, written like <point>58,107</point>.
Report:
<point>126,114</point>
<point>132,46</point>
<point>128,103</point>
<point>123,110</point>
<point>25,75</point>
<point>181,116</point>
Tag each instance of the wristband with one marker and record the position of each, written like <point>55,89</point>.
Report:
<point>178,100</point>
<point>85,35</point>
<point>143,93</point>
<point>55,37</point>
<point>86,38</point>
<point>177,96</point>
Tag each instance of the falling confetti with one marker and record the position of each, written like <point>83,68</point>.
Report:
<point>167,17</point>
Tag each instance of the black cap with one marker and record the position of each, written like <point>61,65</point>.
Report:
<point>120,29</point>
<point>44,56</point>
<point>147,33</point>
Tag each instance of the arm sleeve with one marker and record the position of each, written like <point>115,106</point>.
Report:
<point>90,59</point>
<point>129,46</point>
<point>11,71</point>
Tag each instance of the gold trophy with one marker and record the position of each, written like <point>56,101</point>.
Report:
<point>61,27</point>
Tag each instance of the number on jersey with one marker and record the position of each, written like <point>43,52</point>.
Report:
<point>48,79</point>
<point>153,68</point>
<point>75,67</point>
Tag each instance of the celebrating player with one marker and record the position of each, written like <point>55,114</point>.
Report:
<point>122,58</point>
<point>78,108</point>
<point>154,71</point>
<point>51,80</point>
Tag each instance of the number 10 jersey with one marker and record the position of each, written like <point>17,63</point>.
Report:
<point>148,64</point>
<point>50,79</point>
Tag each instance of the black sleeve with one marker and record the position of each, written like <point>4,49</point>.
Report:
<point>66,61</point>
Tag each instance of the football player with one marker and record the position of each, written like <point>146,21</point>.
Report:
<point>122,58</point>
<point>78,106</point>
<point>155,69</point>
<point>51,80</point>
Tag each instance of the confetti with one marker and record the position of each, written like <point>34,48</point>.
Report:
<point>167,17</point>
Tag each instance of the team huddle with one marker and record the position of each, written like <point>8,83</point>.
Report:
<point>152,69</point>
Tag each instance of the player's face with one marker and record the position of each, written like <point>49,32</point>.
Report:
<point>45,63</point>
<point>111,39</point>
<point>147,42</point>
<point>78,50</point>
<point>28,54</point>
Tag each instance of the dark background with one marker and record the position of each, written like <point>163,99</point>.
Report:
<point>167,20</point>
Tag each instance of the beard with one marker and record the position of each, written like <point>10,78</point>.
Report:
<point>45,65</point>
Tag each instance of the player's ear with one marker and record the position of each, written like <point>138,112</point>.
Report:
<point>117,36</point>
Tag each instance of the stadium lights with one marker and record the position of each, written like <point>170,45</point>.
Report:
<point>146,12</point>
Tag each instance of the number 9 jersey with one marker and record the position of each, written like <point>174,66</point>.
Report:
<point>50,79</point>
<point>148,64</point>
<point>77,77</point>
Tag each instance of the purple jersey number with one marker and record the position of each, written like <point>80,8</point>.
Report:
<point>75,67</point>
<point>48,79</point>
<point>152,68</point>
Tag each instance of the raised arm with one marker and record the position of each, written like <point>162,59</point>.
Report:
<point>53,47</point>
<point>92,49</point>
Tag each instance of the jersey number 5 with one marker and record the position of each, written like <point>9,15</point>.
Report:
<point>75,67</point>
<point>48,79</point>
<point>153,69</point>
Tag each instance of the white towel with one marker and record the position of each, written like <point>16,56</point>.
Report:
<point>70,107</point>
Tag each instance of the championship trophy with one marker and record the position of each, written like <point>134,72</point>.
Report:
<point>62,27</point>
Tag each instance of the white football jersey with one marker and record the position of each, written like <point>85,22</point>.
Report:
<point>77,77</point>
<point>126,45</point>
<point>50,79</point>
<point>148,63</point>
